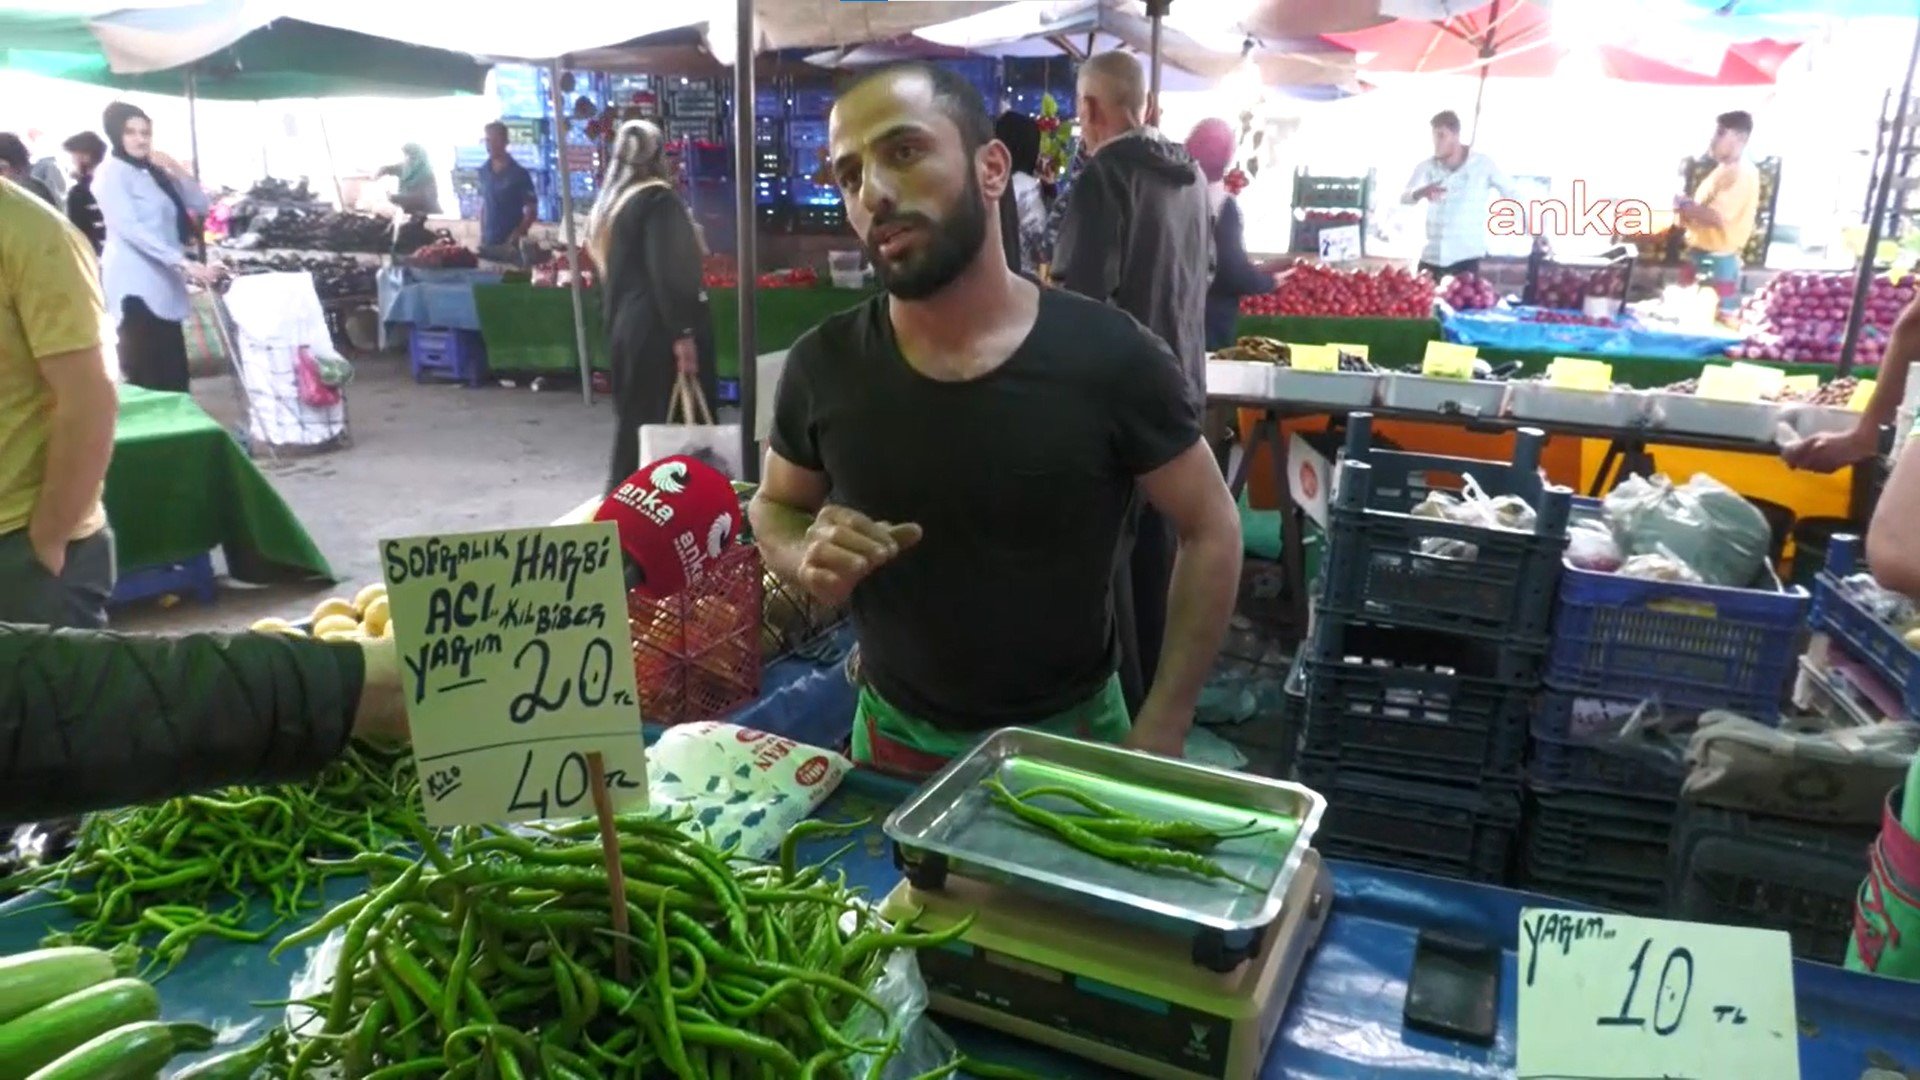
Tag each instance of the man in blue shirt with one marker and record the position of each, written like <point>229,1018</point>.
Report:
<point>508,202</point>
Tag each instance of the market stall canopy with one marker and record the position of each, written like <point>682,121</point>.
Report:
<point>234,49</point>
<point>1520,39</point>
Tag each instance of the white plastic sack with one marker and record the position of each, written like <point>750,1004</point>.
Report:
<point>740,786</point>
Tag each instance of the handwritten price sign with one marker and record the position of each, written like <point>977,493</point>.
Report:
<point>1611,997</point>
<point>517,664</point>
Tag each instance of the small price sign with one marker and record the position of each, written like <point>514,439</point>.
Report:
<point>1725,383</point>
<point>1612,997</point>
<point>1862,394</point>
<point>1769,381</point>
<point>1800,384</point>
<point>1575,373</point>
<point>1340,243</point>
<point>1313,357</point>
<point>517,666</point>
<point>1448,360</point>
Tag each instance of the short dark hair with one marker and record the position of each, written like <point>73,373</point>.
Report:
<point>1021,133</point>
<point>14,152</point>
<point>86,142</point>
<point>1739,121</point>
<point>957,97</point>
<point>1447,118</point>
<point>495,125</point>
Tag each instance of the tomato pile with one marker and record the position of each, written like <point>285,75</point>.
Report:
<point>802,278</point>
<point>1325,218</point>
<point>1313,289</point>
<point>719,272</point>
<point>557,271</point>
<point>444,254</point>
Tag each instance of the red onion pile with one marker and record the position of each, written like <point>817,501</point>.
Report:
<point>1312,289</point>
<point>1801,317</point>
<point>1569,286</point>
<point>1468,292</point>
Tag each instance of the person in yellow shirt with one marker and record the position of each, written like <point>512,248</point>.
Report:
<point>57,409</point>
<point>1720,214</point>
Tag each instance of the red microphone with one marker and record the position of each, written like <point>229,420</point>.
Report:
<point>675,517</point>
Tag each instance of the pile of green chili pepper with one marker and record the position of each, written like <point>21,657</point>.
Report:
<point>1119,837</point>
<point>495,958</point>
<point>163,876</point>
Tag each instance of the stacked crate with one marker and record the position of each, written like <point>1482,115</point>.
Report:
<point>1425,656</point>
<point>1746,869</point>
<point>1633,663</point>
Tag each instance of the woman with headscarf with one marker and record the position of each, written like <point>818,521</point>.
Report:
<point>1021,134</point>
<point>148,201</point>
<point>643,238</point>
<point>419,192</point>
<point>1212,145</point>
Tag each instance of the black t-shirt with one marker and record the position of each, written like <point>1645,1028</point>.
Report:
<point>1003,613</point>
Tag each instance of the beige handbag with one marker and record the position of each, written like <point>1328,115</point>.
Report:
<point>692,431</point>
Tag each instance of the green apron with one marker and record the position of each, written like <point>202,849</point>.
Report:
<point>1886,912</point>
<point>886,737</point>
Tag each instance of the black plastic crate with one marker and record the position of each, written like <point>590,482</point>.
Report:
<point>1426,827</point>
<point>1339,639</point>
<point>1386,564</point>
<point>1417,703</point>
<point>1631,895</point>
<point>1577,837</point>
<point>1585,752</point>
<point>1773,873</point>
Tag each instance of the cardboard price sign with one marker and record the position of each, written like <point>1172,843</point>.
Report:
<point>1724,383</point>
<point>1447,360</point>
<point>1313,357</point>
<point>1574,373</point>
<point>1862,394</point>
<point>1612,997</point>
<point>517,668</point>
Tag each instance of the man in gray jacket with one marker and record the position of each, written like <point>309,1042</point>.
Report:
<point>1136,235</point>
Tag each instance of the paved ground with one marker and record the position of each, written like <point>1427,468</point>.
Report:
<point>424,459</point>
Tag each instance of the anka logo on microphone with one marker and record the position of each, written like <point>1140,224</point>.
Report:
<point>648,501</point>
<point>670,477</point>
<point>718,534</point>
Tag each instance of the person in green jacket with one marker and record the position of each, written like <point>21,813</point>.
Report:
<point>418,192</point>
<point>93,720</point>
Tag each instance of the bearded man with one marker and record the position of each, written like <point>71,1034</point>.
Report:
<point>956,457</point>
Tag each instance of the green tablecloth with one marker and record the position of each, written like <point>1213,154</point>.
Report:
<point>180,486</point>
<point>530,329</point>
<point>1394,343</point>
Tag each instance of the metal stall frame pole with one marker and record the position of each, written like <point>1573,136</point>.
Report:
<point>1156,11</point>
<point>561,125</point>
<point>745,239</point>
<point>1889,175</point>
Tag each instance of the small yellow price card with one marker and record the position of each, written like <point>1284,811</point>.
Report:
<point>1575,373</point>
<point>1861,395</point>
<point>1313,357</point>
<point>1612,997</point>
<point>1768,380</point>
<point>1800,384</point>
<point>1447,360</point>
<point>1723,383</point>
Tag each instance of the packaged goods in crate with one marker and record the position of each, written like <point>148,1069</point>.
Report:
<point>1769,872</point>
<point>1839,776</point>
<point>1435,829</point>
<point>1610,746</point>
<point>1599,849</point>
<point>1879,628</point>
<point>696,653</point>
<point>1418,703</point>
<point>1421,540</point>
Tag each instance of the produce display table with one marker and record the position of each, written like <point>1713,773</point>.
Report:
<point>179,486</point>
<point>530,329</point>
<point>1344,1019</point>
<point>441,299</point>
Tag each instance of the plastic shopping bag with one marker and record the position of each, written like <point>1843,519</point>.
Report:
<point>740,786</point>
<point>695,435</point>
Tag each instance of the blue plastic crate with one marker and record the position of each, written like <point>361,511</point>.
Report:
<point>1694,646</point>
<point>1867,639</point>
<point>1589,755</point>
<point>1388,566</point>
<point>460,355</point>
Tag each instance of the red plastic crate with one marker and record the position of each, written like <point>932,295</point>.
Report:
<point>696,654</point>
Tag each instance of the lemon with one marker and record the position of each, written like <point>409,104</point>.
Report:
<point>365,597</point>
<point>271,625</point>
<point>375,618</point>
<point>332,605</point>
<point>341,635</point>
<point>333,623</point>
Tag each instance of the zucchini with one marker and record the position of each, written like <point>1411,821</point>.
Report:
<point>133,1052</point>
<point>239,1064</point>
<point>53,1029</point>
<point>33,979</point>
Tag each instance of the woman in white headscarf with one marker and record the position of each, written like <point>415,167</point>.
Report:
<point>643,238</point>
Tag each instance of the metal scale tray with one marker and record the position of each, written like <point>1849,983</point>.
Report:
<point>950,826</point>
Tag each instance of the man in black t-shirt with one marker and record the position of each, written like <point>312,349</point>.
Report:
<point>957,458</point>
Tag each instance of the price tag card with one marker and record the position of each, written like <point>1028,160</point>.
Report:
<point>1612,997</point>
<point>1768,380</point>
<point>1723,383</point>
<point>1313,357</point>
<point>517,663</point>
<point>1800,384</point>
<point>1575,373</point>
<point>1357,350</point>
<point>1862,394</point>
<point>1446,360</point>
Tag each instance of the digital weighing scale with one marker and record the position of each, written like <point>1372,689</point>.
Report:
<point>1110,990</point>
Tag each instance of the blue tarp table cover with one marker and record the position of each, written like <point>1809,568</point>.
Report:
<point>439,299</point>
<point>1510,328</point>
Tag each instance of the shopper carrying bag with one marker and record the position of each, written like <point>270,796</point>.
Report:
<point>690,430</point>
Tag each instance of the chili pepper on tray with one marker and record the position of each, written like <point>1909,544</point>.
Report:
<point>1126,845</point>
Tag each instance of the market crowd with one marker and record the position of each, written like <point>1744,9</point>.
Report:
<point>1002,462</point>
